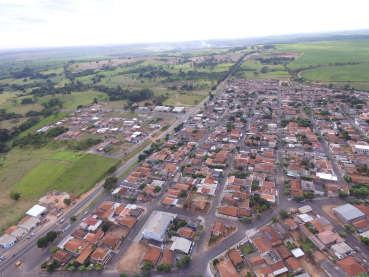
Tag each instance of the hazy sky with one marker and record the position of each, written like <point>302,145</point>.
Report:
<point>42,23</point>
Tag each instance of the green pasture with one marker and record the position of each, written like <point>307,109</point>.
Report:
<point>65,155</point>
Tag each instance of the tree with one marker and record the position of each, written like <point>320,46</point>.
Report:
<point>71,268</point>
<point>186,260</point>
<point>343,194</point>
<point>51,267</point>
<point>240,167</point>
<point>157,189</point>
<point>274,219</point>
<point>98,268</point>
<point>50,236</point>
<point>73,218</point>
<point>283,213</point>
<point>105,227</point>
<point>215,261</point>
<point>123,275</point>
<point>110,182</point>
<point>361,275</point>
<point>147,266</point>
<point>81,268</point>
<point>53,249</point>
<point>15,195</point>
<point>310,195</point>
<point>310,254</point>
<point>342,234</point>
<point>112,169</point>
<point>179,264</point>
<point>67,201</point>
<point>167,267</point>
<point>42,242</point>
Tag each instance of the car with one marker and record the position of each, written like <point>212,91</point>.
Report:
<point>32,234</point>
<point>28,237</point>
<point>61,221</point>
<point>96,184</point>
<point>18,263</point>
<point>85,213</point>
<point>2,257</point>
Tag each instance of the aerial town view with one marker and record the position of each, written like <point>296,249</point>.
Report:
<point>232,153</point>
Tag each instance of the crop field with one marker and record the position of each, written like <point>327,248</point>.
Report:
<point>37,182</point>
<point>84,174</point>
<point>347,73</point>
<point>325,52</point>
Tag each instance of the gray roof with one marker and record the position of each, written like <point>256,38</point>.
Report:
<point>341,248</point>
<point>5,239</point>
<point>349,212</point>
<point>322,221</point>
<point>158,223</point>
<point>330,269</point>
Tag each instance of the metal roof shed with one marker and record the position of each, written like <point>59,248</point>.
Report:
<point>36,211</point>
<point>305,209</point>
<point>349,212</point>
<point>297,252</point>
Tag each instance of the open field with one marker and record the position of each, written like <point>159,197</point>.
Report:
<point>84,174</point>
<point>36,182</point>
<point>347,73</point>
<point>325,52</point>
<point>279,73</point>
<point>71,156</point>
<point>132,257</point>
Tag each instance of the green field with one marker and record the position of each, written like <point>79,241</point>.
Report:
<point>279,73</point>
<point>35,184</point>
<point>325,52</point>
<point>84,174</point>
<point>71,156</point>
<point>347,73</point>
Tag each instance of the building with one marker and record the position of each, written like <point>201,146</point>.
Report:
<point>28,223</point>
<point>178,110</point>
<point>236,258</point>
<point>181,245</point>
<point>348,213</point>
<point>350,266</point>
<point>361,149</point>
<point>36,211</point>
<point>152,255</point>
<point>101,255</point>
<point>7,241</point>
<point>226,269</point>
<point>157,226</point>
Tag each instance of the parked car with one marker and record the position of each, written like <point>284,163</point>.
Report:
<point>28,237</point>
<point>61,221</point>
<point>2,257</point>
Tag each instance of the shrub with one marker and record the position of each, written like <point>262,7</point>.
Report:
<point>283,213</point>
<point>274,219</point>
<point>342,234</point>
<point>71,268</point>
<point>90,268</point>
<point>99,268</point>
<point>201,227</point>
<point>73,218</point>
<point>43,266</point>
<point>105,227</point>
<point>81,268</point>
<point>67,201</point>
<point>53,249</point>
<point>147,266</point>
<point>167,267</point>
<point>123,275</point>
<point>160,267</point>
<point>179,264</point>
<point>186,260</point>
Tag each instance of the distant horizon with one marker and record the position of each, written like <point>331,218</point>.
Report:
<point>62,23</point>
<point>171,43</point>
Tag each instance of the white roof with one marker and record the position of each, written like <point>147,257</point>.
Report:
<point>297,252</point>
<point>181,244</point>
<point>305,218</point>
<point>158,223</point>
<point>305,209</point>
<point>36,210</point>
<point>365,147</point>
<point>326,176</point>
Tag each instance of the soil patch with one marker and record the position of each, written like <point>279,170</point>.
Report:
<point>221,238</point>
<point>119,232</point>
<point>132,257</point>
<point>318,255</point>
<point>312,269</point>
<point>328,210</point>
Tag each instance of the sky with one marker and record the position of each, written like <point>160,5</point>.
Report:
<point>55,23</point>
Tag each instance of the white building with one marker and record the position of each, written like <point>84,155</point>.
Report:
<point>362,149</point>
<point>36,211</point>
<point>178,109</point>
<point>128,123</point>
<point>7,241</point>
<point>157,226</point>
<point>181,244</point>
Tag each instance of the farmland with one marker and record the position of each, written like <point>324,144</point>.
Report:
<point>347,73</point>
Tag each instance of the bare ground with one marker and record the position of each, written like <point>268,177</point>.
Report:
<point>328,210</point>
<point>132,257</point>
<point>318,255</point>
<point>312,269</point>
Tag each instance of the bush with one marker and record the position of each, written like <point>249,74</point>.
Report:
<point>342,194</point>
<point>51,267</point>
<point>99,268</point>
<point>201,227</point>
<point>71,268</point>
<point>81,268</point>
<point>123,275</point>
<point>73,218</point>
<point>43,266</point>
<point>15,195</point>
<point>274,219</point>
<point>67,201</point>
<point>147,266</point>
<point>112,169</point>
<point>167,267</point>
<point>342,234</point>
<point>160,267</point>
<point>179,264</point>
<point>186,260</point>
<point>53,249</point>
<point>90,268</point>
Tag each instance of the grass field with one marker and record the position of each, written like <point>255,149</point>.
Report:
<point>279,73</point>
<point>71,156</point>
<point>347,73</point>
<point>84,174</point>
<point>325,52</point>
<point>36,182</point>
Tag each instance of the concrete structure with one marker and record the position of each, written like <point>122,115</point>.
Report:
<point>181,244</point>
<point>361,149</point>
<point>348,213</point>
<point>178,110</point>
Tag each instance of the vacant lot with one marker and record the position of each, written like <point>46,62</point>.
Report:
<point>132,257</point>
<point>36,182</point>
<point>84,174</point>
<point>312,269</point>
